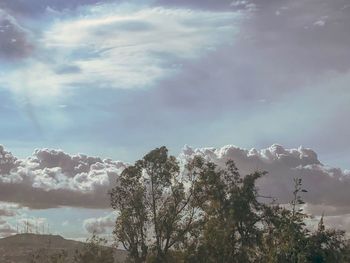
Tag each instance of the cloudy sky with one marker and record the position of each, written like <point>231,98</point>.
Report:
<point>113,79</point>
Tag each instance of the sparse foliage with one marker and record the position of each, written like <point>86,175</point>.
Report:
<point>94,251</point>
<point>327,245</point>
<point>45,256</point>
<point>286,235</point>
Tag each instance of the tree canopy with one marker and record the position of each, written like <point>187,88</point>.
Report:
<point>200,212</point>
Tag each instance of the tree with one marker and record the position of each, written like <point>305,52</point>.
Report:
<point>231,214</point>
<point>154,204</point>
<point>327,245</point>
<point>94,251</point>
<point>286,236</point>
<point>204,213</point>
<point>128,197</point>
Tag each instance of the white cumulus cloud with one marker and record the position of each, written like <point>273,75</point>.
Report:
<point>100,225</point>
<point>327,186</point>
<point>52,178</point>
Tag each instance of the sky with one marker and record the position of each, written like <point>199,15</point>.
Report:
<point>88,86</point>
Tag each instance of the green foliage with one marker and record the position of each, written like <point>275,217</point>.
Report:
<point>94,251</point>
<point>231,215</point>
<point>209,214</point>
<point>327,245</point>
<point>131,226</point>
<point>285,235</point>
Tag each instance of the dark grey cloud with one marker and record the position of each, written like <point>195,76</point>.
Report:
<point>40,198</point>
<point>283,46</point>
<point>201,4</point>
<point>14,39</point>
<point>37,7</point>
<point>305,34</point>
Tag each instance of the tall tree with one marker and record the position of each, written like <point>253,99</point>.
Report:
<point>154,204</point>
<point>231,214</point>
<point>128,197</point>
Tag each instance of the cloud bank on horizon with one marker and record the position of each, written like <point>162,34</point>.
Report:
<point>52,178</point>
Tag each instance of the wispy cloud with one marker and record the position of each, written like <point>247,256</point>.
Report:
<point>104,47</point>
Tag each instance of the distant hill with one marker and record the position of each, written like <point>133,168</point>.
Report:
<point>19,248</point>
